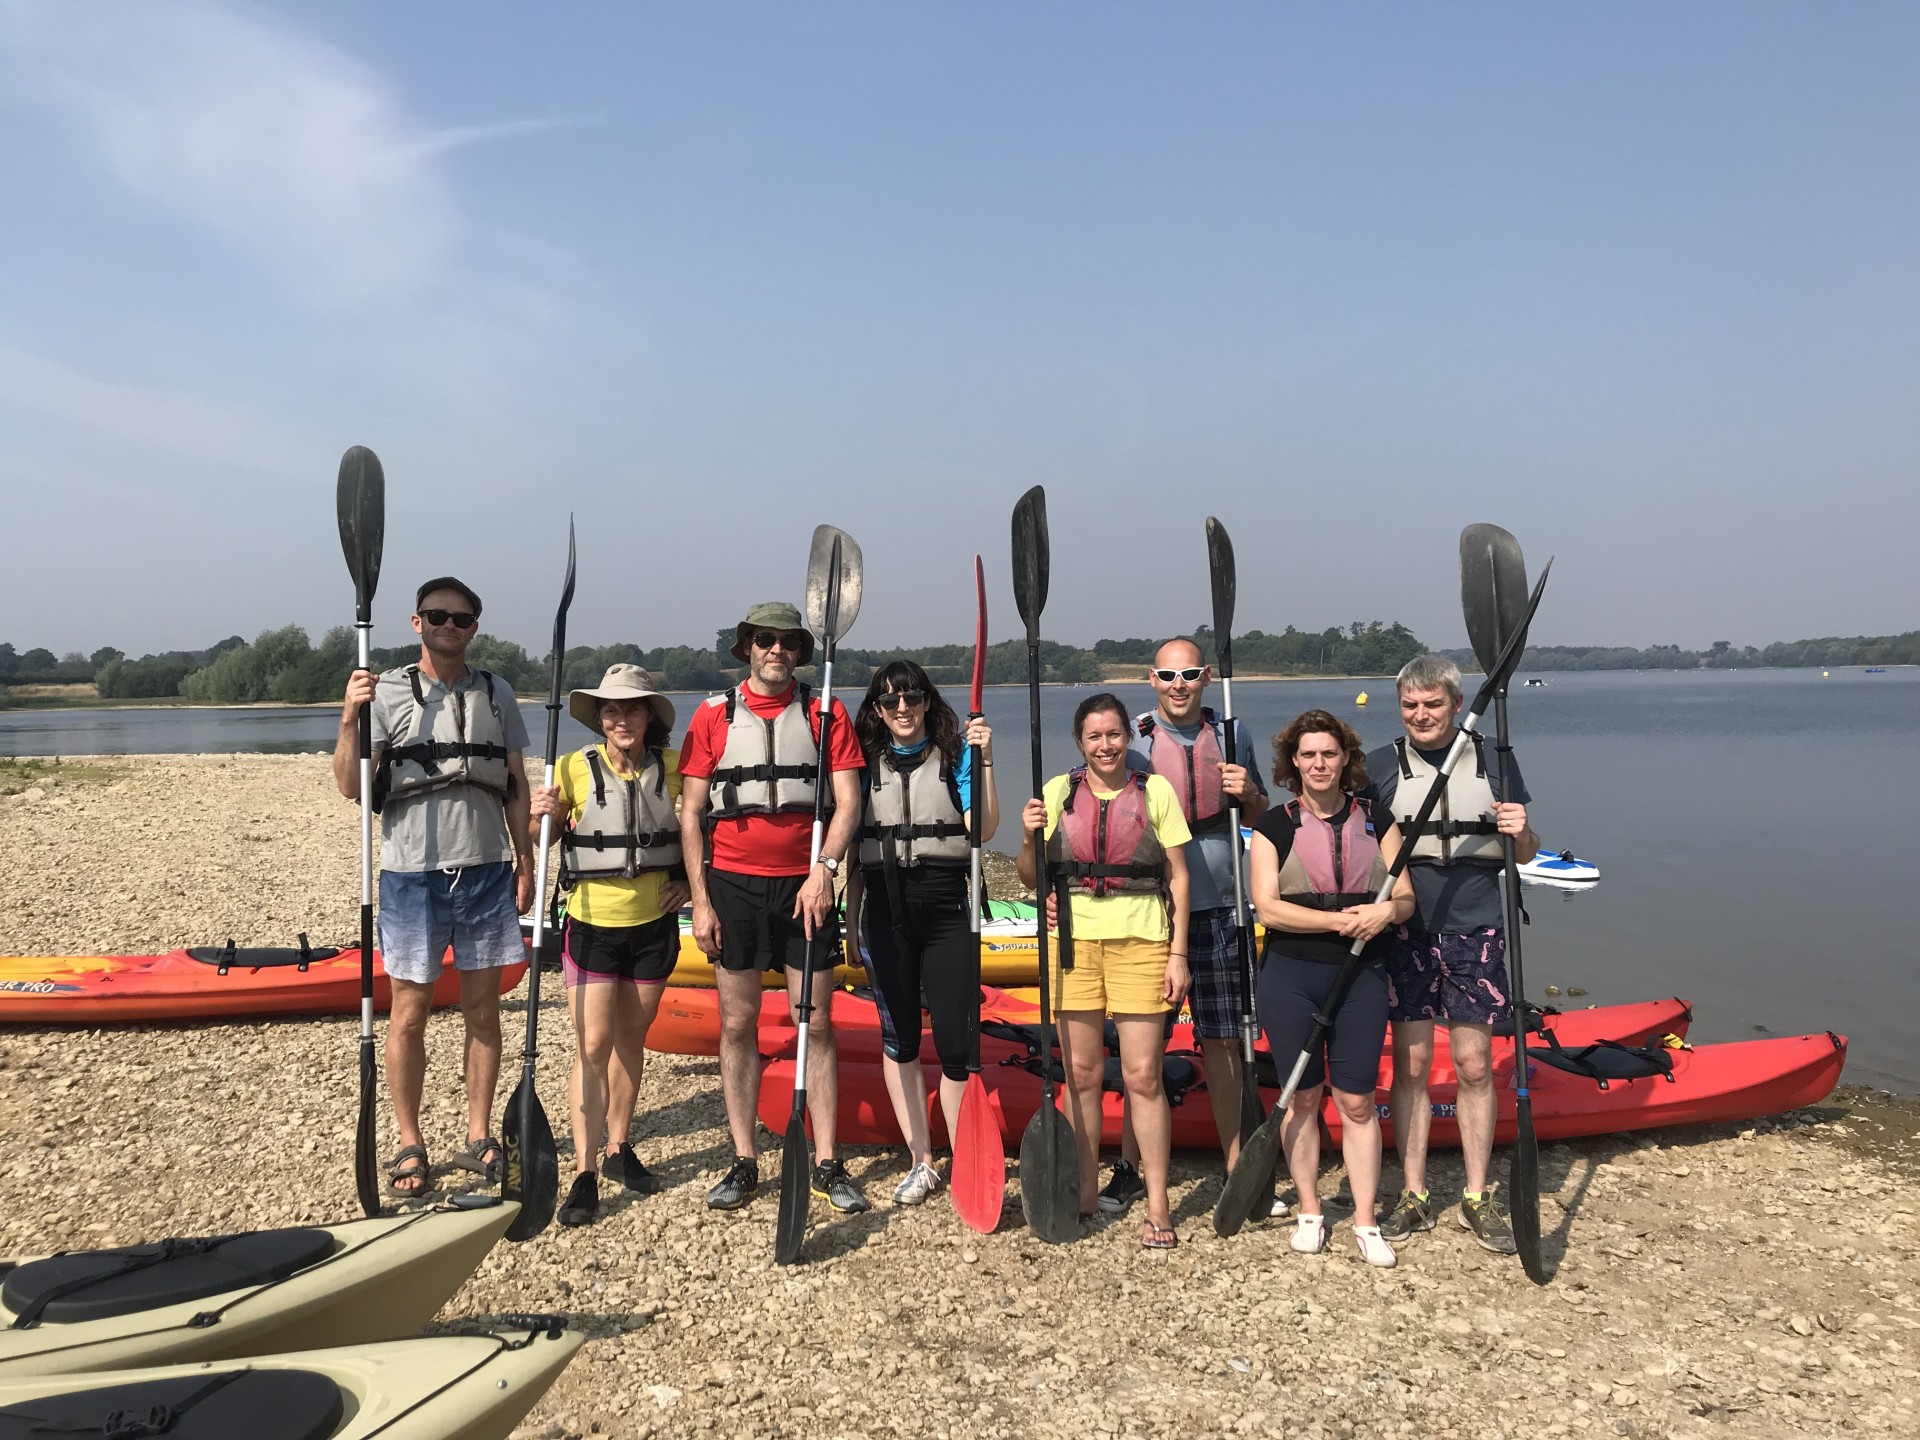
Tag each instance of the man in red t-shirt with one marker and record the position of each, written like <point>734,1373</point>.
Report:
<point>748,768</point>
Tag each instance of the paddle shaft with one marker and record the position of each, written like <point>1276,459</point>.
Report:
<point>1242,931</point>
<point>805,1015</point>
<point>363,628</point>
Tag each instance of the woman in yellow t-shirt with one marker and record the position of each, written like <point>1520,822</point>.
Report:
<point>1113,844</point>
<point>620,858</point>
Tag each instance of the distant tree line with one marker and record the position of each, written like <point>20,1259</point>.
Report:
<point>284,666</point>
<point>1723,655</point>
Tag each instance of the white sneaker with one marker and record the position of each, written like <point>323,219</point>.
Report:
<point>1373,1249</point>
<point>1277,1209</point>
<point>921,1184</point>
<point>1309,1234</point>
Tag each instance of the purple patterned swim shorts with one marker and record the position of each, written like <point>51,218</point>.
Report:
<point>1460,978</point>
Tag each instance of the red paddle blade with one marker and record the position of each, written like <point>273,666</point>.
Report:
<point>979,634</point>
<point>979,1161</point>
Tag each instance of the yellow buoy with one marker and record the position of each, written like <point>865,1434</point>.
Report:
<point>1823,675</point>
<point>1361,699</point>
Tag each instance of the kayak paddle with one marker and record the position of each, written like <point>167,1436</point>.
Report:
<point>1493,577</point>
<point>979,1149</point>
<point>532,1172</point>
<point>1248,1180</point>
<point>361,499</point>
<point>833,600</point>
<point>1049,1154</point>
<point>1221,571</point>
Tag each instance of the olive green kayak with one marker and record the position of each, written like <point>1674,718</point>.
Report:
<point>448,1387</point>
<point>212,1298</point>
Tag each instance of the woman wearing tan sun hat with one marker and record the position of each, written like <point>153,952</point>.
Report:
<point>620,860</point>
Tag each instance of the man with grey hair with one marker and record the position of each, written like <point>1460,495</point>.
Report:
<point>1448,963</point>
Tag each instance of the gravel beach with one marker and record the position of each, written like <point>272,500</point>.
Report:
<point>1756,1280</point>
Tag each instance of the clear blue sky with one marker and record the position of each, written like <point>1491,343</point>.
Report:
<point>1636,281</point>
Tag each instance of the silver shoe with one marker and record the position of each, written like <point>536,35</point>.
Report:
<point>921,1184</point>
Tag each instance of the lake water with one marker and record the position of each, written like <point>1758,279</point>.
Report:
<point>1745,824</point>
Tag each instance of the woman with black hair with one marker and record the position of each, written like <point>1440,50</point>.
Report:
<point>620,861</point>
<point>913,877</point>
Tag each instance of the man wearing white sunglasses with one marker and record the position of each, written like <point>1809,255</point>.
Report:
<point>1183,740</point>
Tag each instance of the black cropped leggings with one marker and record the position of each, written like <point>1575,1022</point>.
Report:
<point>934,970</point>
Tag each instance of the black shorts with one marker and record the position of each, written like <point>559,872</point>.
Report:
<point>637,954</point>
<point>757,928</point>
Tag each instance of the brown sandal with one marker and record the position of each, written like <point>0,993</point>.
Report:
<point>410,1163</point>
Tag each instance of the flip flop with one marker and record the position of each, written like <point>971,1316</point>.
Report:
<point>470,1159</point>
<point>1158,1237</point>
<point>410,1163</point>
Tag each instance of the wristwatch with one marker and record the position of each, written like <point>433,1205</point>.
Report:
<point>833,865</point>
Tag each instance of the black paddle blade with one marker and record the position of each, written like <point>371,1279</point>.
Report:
<point>1220,567</point>
<point>1030,558</point>
<point>796,1189</point>
<point>1493,590</point>
<point>366,1148</point>
<point>1050,1177</point>
<point>566,603</point>
<point>1251,1179</point>
<point>1523,1194</point>
<point>1250,1116</point>
<point>361,499</point>
<point>833,582</point>
<point>531,1174</point>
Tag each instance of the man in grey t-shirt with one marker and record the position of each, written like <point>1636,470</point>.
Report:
<point>455,870</point>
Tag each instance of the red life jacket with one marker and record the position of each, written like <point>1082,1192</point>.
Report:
<point>1328,865</point>
<point>1107,847</point>
<point>1192,770</point>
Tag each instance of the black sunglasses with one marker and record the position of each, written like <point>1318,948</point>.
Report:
<point>459,619</point>
<point>900,699</point>
<point>789,640</point>
<point>1191,673</point>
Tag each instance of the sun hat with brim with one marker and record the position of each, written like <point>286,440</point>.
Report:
<point>621,682</point>
<point>771,615</point>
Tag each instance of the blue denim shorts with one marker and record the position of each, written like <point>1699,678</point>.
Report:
<point>425,913</point>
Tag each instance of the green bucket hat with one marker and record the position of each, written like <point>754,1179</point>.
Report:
<point>772,615</point>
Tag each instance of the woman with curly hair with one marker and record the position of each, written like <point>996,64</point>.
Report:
<point>1317,862</point>
<point>913,877</point>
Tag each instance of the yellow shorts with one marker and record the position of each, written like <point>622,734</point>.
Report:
<point>1116,977</point>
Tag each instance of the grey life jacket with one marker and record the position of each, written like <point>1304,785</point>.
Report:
<point>1328,866</point>
<point>1193,770</point>
<point>914,801</point>
<point>1107,847</point>
<point>626,826</point>
<point>1461,830</point>
<point>766,766</point>
<point>447,740</point>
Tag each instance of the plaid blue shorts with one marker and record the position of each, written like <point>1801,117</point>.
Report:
<point>1213,959</point>
<point>471,911</point>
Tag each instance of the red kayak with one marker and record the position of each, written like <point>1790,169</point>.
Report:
<point>1739,1081</point>
<point>689,1024</point>
<point>202,983</point>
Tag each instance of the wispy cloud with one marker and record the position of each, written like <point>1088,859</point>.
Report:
<point>290,150</point>
<point>173,422</point>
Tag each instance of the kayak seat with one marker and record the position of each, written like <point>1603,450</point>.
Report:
<point>1030,1035</point>
<point>259,957</point>
<point>230,1405</point>
<point>1537,1015</point>
<point>1178,1074</point>
<point>95,1284</point>
<point>1605,1061</point>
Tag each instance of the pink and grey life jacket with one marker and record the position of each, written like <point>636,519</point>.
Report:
<point>1107,847</point>
<point>1330,867</point>
<point>1192,770</point>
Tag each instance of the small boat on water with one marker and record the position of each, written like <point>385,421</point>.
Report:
<point>1535,681</point>
<point>1560,868</point>
<point>1876,669</point>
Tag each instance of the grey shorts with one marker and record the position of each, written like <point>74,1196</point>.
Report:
<point>423,914</point>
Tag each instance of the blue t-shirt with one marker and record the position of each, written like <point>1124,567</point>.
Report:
<point>1209,856</point>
